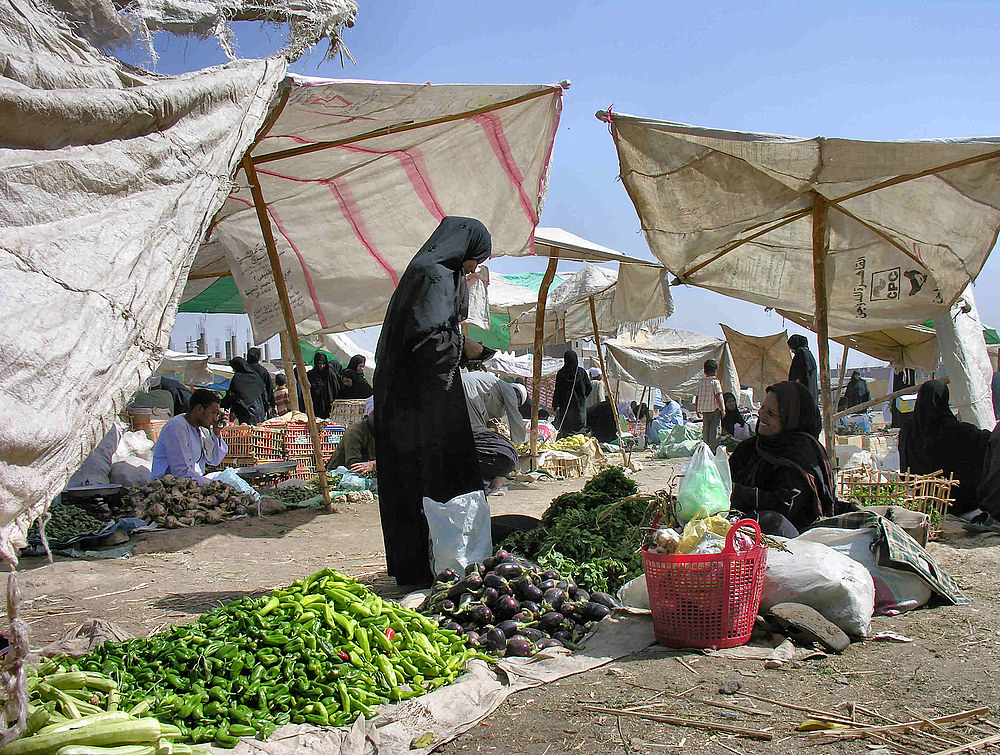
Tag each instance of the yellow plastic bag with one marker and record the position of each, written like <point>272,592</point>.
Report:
<point>700,527</point>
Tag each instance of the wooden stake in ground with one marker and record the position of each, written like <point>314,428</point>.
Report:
<point>289,361</point>
<point>607,385</point>
<point>677,721</point>
<point>286,311</point>
<point>536,360</point>
<point>819,248</point>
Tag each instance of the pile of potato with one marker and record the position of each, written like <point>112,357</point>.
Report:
<point>179,502</point>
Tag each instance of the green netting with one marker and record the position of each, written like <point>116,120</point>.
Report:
<point>309,352</point>
<point>221,297</point>
<point>531,281</point>
<point>497,337</point>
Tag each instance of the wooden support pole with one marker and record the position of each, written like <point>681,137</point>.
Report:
<point>607,385</point>
<point>289,361</point>
<point>819,248</point>
<point>889,397</point>
<point>290,329</point>
<point>843,371</point>
<point>536,360</point>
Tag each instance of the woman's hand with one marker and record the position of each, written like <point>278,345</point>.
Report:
<point>473,349</point>
<point>363,467</point>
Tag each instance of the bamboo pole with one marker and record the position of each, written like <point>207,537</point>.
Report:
<point>843,371</point>
<point>288,359</point>
<point>607,385</point>
<point>819,248</point>
<point>290,329</point>
<point>536,361</point>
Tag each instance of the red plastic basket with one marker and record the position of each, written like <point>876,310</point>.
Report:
<point>706,601</point>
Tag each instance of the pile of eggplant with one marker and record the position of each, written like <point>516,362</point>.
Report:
<point>509,606</point>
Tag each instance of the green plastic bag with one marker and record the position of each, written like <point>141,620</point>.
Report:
<point>706,485</point>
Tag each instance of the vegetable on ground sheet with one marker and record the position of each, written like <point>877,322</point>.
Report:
<point>322,651</point>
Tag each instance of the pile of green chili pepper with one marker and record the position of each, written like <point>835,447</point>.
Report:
<point>322,651</point>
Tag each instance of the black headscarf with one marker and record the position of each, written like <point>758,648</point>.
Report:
<point>935,440</point>
<point>324,384</point>
<point>803,369</point>
<point>423,436</point>
<point>246,394</point>
<point>796,452</point>
<point>569,398</point>
<point>732,417</point>
<point>360,387</point>
<point>857,392</point>
<point>253,359</point>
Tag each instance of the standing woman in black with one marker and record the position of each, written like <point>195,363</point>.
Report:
<point>804,369</point>
<point>569,399</point>
<point>423,437</point>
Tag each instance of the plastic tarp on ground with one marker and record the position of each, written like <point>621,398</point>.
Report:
<point>110,178</point>
<point>671,360</point>
<point>348,218</point>
<point>760,360</point>
<point>731,211</point>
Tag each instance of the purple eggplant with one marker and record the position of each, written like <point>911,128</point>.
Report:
<point>508,570</point>
<point>581,595</point>
<point>454,626</point>
<point>502,555</point>
<point>555,597</point>
<point>562,635</point>
<point>490,596</point>
<point>549,642</point>
<point>495,640</point>
<point>481,615</point>
<point>520,647</point>
<point>525,617</point>
<point>448,575</point>
<point>593,611</point>
<point>465,600</point>
<point>448,606</point>
<point>533,634</point>
<point>509,627</point>
<point>471,569</point>
<point>473,583</point>
<point>546,584</point>
<point>494,580</point>
<point>472,639</point>
<point>604,599</point>
<point>532,593</point>
<point>568,609</point>
<point>550,622</point>
<point>549,574</point>
<point>489,563</point>
<point>530,605</point>
<point>507,607</point>
<point>457,590</point>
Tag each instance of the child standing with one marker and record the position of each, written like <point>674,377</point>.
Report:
<point>709,403</point>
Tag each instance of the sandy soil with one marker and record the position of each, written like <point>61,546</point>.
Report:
<point>174,576</point>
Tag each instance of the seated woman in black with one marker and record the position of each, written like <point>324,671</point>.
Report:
<point>782,474</point>
<point>935,440</point>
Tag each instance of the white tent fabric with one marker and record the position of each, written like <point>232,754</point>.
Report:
<point>642,297</point>
<point>343,347</point>
<point>964,355</point>
<point>348,218</point>
<point>730,211</point>
<point>102,219</point>
<point>671,360</point>
<point>760,360</point>
<point>191,369</point>
<point>507,363</point>
<point>571,302</point>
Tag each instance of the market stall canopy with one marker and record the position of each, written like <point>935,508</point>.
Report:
<point>510,296</point>
<point>191,369</point>
<point>506,363</point>
<point>356,176</point>
<point>101,222</point>
<point>568,246</point>
<point>910,223</point>
<point>671,360</point>
<point>760,360</point>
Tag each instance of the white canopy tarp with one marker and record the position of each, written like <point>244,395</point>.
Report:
<point>671,360</point>
<point>507,363</point>
<point>109,178</point>
<point>965,357</point>
<point>191,369</point>
<point>731,211</point>
<point>760,360</point>
<point>395,160</point>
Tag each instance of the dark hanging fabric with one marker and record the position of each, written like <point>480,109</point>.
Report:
<point>179,392</point>
<point>804,369</point>
<point>856,392</point>
<point>901,379</point>
<point>601,422</point>
<point>569,399</point>
<point>253,358</point>
<point>360,387</point>
<point>732,417</point>
<point>246,394</point>
<point>935,439</point>
<point>787,473</point>
<point>324,384</point>
<point>423,435</point>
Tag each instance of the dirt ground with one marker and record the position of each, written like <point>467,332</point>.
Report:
<point>173,576</point>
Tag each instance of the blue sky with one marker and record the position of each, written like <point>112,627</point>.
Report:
<point>883,70</point>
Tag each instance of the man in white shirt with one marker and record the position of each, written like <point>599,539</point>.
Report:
<point>190,441</point>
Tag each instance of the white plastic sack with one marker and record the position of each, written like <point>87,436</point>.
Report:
<point>635,593</point>
<point>819,577</point>
<point>707,484</point>
<point>97,466</point>
<point>460,531</point>
<point>134,444</point>
<point>889,461</point>
<point>229,476</point>
<point>132,472</point>
<point>896,591</point>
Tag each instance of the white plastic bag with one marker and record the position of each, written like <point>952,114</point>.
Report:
<point>134,444</point>
<point>460,532</point>
<point>707,484</point>
<point>229,476</point>
<point>896,591</point>
<point>819,577</point>
<point>635,593</point>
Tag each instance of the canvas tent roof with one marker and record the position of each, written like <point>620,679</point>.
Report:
<point>356,176</point>
<point>760,360</point>
<point>671,360</point>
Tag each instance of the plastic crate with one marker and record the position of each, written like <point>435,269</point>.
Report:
<point>298,442</point>
<point>564,469</point>
<point>267,444</point>
<point>332,435</point>
<point>231,460</point>
<point>346,412</point>
<point>706,601</point>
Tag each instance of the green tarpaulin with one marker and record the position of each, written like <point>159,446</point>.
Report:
<point>222,297</point>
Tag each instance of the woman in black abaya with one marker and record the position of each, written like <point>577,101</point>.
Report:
<point>803,369</point>
<point>782,474</point>
<point>324,384</point>
<point>569,399</point>
<point>934,439</point>
<point>247,395</point>
<point>354,373</point>
<point>423,437</point>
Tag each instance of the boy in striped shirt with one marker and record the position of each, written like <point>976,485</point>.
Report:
<point>709,403</point>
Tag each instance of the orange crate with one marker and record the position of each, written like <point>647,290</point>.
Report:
<point>267,444</point>
<point>298,442</point>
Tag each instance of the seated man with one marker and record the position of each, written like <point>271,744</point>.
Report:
<point>191,440</point>
<point>668,416</point>
<point>356,449</point>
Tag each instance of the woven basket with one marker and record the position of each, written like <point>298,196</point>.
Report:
<point>348,411</point>
<point>564,469</point>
